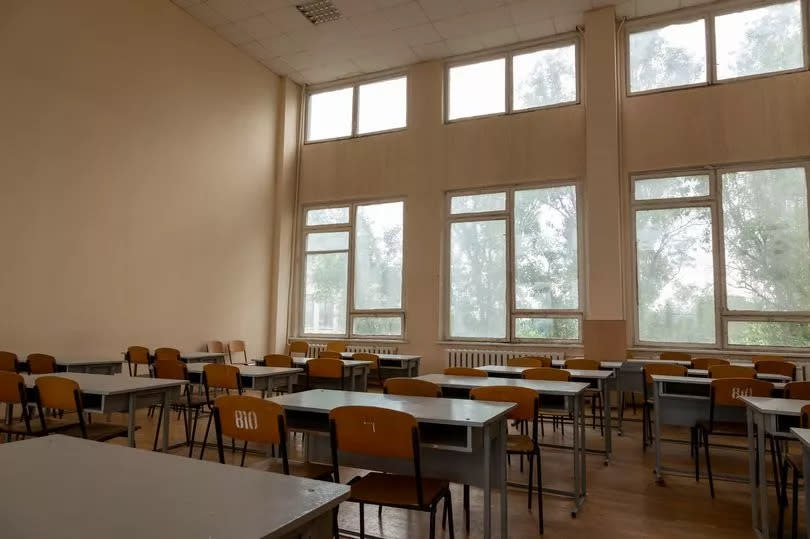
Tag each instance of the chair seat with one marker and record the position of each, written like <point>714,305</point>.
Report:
<point>397,490</point>
<point>519,443</point>
<point>724,428</point>
<point>51,425</point>
<point>99,432</point>
<point>300,469</point>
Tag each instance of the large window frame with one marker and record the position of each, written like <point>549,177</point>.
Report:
<point>351,311</point>
<point>507,54</point>
<point>708,13</point>
<point>354,85</point>
<point>513,312</point>
<point>714,201</point>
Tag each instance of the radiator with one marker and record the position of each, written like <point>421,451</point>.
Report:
<point>478,358</point>
<point>369,348</point>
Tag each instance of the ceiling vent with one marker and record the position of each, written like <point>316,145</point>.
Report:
<point>319,11</point>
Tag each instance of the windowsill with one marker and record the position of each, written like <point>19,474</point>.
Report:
<point>350,340</point>
<point>709,352</point>
<point>506,345</point>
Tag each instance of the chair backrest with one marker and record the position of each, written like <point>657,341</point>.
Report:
<point>805,421</point>
<point>170,369</point>
<point>325,367</point>
<point>221,376</point>
<point>664,369</point>
<point>757,359</point>
<point>12,388</point>
<point>250,419</point>
<point>526,399</point>
<point>373,358</point>
<point>465,371</point>
<point>8,361</point>
<point>727,391</point>
<point>411,387</point>
<point>137,355</point>
<point>533,362</point>
<point>379,432</point>
<point>797,390</point>
<point>731,371</point>
<point>237,347</point>
<point>58,393</point>
<point>329,354</point>
<point>299,347</point>
<point>705,362</point>
<point>216,347</point>
<point>582,364</point>
<point>776,367</point>
<point>547,373</point>
<point>336,346</point>
<point>675,356</point>
<point>277,360</point>
<point>41,364</point>
<point>167,353</point>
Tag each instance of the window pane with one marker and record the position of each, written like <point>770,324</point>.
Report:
<point>325,293</point>
<point>328,216</point>
<point>377,325</point>
<point>792,334</point>
<point>378,256</point>
<point>675,187</point>
<point>330,115</point>
<point>477,89</point>
<point>674,55</point>
<point>545,77</point>
<point>478,203</point>
<point>328,241</point>
<point>760,40</point>
<point>547,328</point>
<point>382,105</point>
<point>478,279</point>
<point>766,240</point>
<point>675,275</point>
<point>546,267</point>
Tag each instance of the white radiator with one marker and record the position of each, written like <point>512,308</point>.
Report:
<point>369,348</point>
<point>478,358</point>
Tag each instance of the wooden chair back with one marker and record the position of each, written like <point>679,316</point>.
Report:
<point>237,347</point>
<point>797,390</point>
<point>704,363</point>
<point>784,368</point>
<point>727,391</point>
<point>170,369</point>
<point>165,353</point>
<point>757,359</point>
<point>58,393</point>
<point>805,421</point>
<point>220,376</point>
<point>526,399</point>
<point>547,373</point>
<point>465,371</point>
<point>411,387</point>
<point>374,359</point>
<point>8,362</point>
<point>378,432</point>
<point>278,360</point>
<point>582,364</point>
<point>731,371</point>
<point>215,347</point>
<point>329,354</point>
<point>12,388</point>
<point>664,369</point>
<point>325,368</point>
<point>336,346</point>
<point>250,419</point>
<point>137,355</point>
<point>299,347</point>
<point>41,364</point>
<point>675,356</point>
<point>534,362</point>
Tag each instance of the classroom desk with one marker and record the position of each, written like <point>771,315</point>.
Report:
<point>764,412</point>
<point>253,377</point>
<point>72,487</point>
<point>574,395</point>
<point>90,366</point>
<point>355,371</point>
<point>682,401</point>
<point>202,357</point>
<point>760,375</point>
<point>105,394</point>
<point>462,441</point>
<point>803,435</point>
<point>597,379</point>
<point>400,362</point>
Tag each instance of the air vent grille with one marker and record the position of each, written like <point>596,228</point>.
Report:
<point>319,11</point>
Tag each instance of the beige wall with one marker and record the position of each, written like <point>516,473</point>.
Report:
<point>136,166</point>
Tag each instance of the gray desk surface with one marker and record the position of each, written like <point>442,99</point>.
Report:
<point>103,384</point>
<point>697,380</point>
<point>253,371</point>
<point>74,362</point>
<point>668,361</point>
<point>541,386</point>
<point>424,409</point>
<point>769,405</point>
<point>398,357</point>
<point>575,373</point>
<point>95,490</point>
<point>201,355</point>
<point>346,362</point>
<point>760,375</point>
<point>602,364</point>
<point>803,435</point>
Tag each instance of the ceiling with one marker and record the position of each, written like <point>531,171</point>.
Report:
<point>374,35</point>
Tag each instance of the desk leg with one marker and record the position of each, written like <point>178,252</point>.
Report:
<point>487,483</point>
<point>501,460</point>
<point>619,398</point>
<point>763,479</point>
<point>577,471</point>
<point>131,424</point>
<point>582,446</point>
<point>657,430</point>
<point>607,418</point>
<point>166,417</point>
<point>9,419</point>
<point>290,383</point>
<point>752,471</point>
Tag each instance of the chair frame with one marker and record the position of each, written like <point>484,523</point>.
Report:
<point>210,403</point>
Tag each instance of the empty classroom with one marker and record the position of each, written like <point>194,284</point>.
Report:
<point>306,269</point>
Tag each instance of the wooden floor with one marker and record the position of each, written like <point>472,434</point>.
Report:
<point>623,499</point>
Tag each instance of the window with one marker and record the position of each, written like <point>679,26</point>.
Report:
<point>352,274</point>
<point>381,106</point>
<point>537,77</point>
<point>743,43</point>
<point>723,258</point>
<point>514,265</point>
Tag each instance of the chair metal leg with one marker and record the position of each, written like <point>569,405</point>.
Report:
<point>539,491</point>
<point>531,476</point>
<point>433,522</point>
<point>193,432</point>
<point>708,462</point>
<point>794,525</point>
<point>448,503</point>
<point>696,449</point>
<point>379,512</point>
<point>362,521</point>
<point>157,430</point>
<point>205,438</point>
<point>467,508</point>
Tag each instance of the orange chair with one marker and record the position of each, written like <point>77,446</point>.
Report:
<point>374,368</point>
<point>237,347</point>
<point>325,369</point>
<point>169,369</point>
<point>12,392</point>
<point>757,359</point>
<point>59,393</point>
<point>527,409</point>
<point>278,360</point>
<point>534,362</point>
<point>797,390</point>
<point>675,356</point>
<point>217,347</point>
<point>731,371</point>
<point>725,392</point>
<point>165,353</point>
<point>782,368</point>
<point>593,393</point>
<point>329,354</point>
<point>465,371</point>
<point>384,433</point>
<point>411,387</point>
<point>299,347</point>
<point>651,369</point>
<point>703,363</point>
<point>134,356</point>
<point>220,377</point>
<point>255,420</point>
<point>8,362</point>
<point>41,364</point>
<point>555,375</point>
<point>336,346</point>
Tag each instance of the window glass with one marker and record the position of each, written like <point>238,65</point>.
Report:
<point>328,216</point>
<point>477,89</point>
<point>563,329</point>
<point>478,203</point>
<point>777,334</point>
<point>328,241</point>
<point>666,57</point>
<point>382,105</point>
<point>545,77</point>
<point>675,187</point>
<point>371,326</point>
<point>325,293</point>
<point>330,114</point>
<point>378,256</point>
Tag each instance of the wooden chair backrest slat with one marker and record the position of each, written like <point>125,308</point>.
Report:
<point>705,362</point>
<point>547,373</point>
<point>757,359</point>
<point>165,353</point>
<point>277,360</point>
<point>675,356</point>
<point>805,421</point>
<point>526,399</point>
<point>299,347</point>
<point>411,387</point>
<point>336,346</point>
<point>329,354</point>
<point>325,367</point>
<point>727,391</point>
<point>138,355</point>
<point>797,390</point>
<point>41,364</point>
<point>534,362</point>
<point>10,385</point>
<point>583,364</point>
<point>171,369</point>
<point>250,419</point>
<point>373,358</point>
<point>369,430</point>
<point>776,367</point>
<point>8,361</point>
<point>731,371</point>
<point>465,371</point>
<point>664,369</point>
<point>216,347</point>
<point>57,393</point>
<point>221,376</point>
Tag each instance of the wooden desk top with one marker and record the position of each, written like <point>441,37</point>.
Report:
<point>803,435</point>
<point>252,371</point>
<point>397,357</point>
<point>575,373</point>
<point>541,386</point>
<point>346,362</point>
<point>201,355</point>
<point>99,491</point>
<point>770,405</point>
<point>425,409</point>
<point>74,362</point>
<point>104,384</point>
